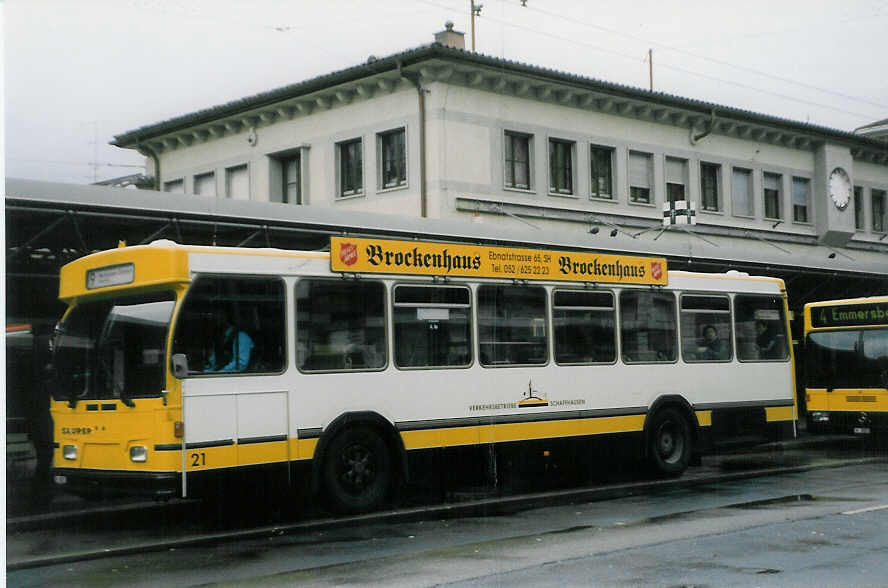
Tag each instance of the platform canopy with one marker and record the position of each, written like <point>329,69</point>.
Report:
<point>50,224</point>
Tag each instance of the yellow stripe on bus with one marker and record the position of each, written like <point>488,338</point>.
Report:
<point>520,431</point>
<point>303,448</point>
<point>704,418</point>
<point>779,413</point>
<point>259,453</point>
<point>110,456</point>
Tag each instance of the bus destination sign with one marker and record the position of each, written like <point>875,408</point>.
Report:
<point>448,259</point>
<point>111,275</point>
<point>850,315</point>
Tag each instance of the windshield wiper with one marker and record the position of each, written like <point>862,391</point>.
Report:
<point>72,397</point>
<point>124,398</point>
<point>118,390</point>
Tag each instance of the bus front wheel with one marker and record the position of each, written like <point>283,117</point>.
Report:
<point>669,442</point>
<point>357,470</point>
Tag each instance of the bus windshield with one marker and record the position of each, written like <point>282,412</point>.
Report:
<point>113,348</point>
<point>853,358</point>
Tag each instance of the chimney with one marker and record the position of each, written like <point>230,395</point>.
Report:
<point>450,38</point>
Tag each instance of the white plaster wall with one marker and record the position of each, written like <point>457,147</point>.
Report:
<point>319,132</point>
<point>869,173</point>
<point>464,137</point>
<point>462,118</point>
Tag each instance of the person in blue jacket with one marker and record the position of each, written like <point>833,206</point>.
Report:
<point>233,349</point>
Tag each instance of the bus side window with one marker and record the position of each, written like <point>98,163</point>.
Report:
<point>705,328</point>
<point>432,326</point>
<point>648,328</point>
<point>340,326</point>
<point>512,325</point>
<point>233,325</point>
<point>584,327</point>
<point>759,327</point>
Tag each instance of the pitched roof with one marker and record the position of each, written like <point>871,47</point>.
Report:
<point>878,123</point>
<point>438,51</point>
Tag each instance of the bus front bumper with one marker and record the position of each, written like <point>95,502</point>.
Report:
<point>856,422</point>
<point>99,483</point>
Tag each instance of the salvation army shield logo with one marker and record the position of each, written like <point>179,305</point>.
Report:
<point>348,253</point>
<point>656,270</point>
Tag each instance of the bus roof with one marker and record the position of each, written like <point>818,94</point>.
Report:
<point>862,300</point>
<point>164,263</point>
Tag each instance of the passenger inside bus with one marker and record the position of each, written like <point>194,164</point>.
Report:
<point>712,346</point>
<point>232,347</point>
<point>766,341</point>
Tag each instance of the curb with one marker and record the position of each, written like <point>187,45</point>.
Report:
<point>481,507</point>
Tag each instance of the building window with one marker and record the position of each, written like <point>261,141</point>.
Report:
<point>858,208</point>
<point>351,168</point>
<point>291,179</point>
<point>878,202</point>
<point>640,173</point>
<point>517,164</point>
<point>741,192</point>
<point>801,192</point>
<point>709,178</point>
<point>205,184</point>
<point>560,166</point>
<point>237,182</point>
<point>392,157</point>
<point>676,179</point>
<point>771,188</point>
<point>601,159</point>
<point>174,186</point>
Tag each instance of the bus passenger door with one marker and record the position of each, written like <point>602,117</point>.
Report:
<point>209,411</point>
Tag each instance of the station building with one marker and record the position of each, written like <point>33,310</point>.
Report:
<point>439,141</point>
<point>444,133</point>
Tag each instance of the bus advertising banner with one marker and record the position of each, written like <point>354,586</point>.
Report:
<point>447,259</point>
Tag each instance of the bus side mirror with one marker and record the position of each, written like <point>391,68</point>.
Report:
<point>180,365</point>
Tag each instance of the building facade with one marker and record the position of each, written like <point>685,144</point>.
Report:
<point>443,133</point>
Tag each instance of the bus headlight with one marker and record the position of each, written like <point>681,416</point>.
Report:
<point>819,417</point>
<point>69,452</point>
<point>139,453</point>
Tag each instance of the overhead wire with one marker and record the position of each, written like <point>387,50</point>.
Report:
<point>862,116</point>
<point>696,55</point>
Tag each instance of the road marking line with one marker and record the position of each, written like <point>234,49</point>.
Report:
<point>860,510</point>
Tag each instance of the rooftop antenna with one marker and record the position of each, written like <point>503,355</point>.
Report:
<point>475,9</point>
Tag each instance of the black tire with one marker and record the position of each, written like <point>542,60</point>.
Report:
<point>669,443</point>
<point>357,471</point>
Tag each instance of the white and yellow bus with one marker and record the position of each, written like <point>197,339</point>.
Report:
<point>176,364</point>
<point>846,364</point>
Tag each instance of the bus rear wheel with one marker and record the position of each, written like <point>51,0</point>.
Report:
<point>669,443</point>
<point>357,470</point>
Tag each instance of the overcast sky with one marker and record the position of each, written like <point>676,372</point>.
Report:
<point>78,72</point>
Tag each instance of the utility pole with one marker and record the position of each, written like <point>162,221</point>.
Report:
<point>475,9</point>
<point>651,67</point>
